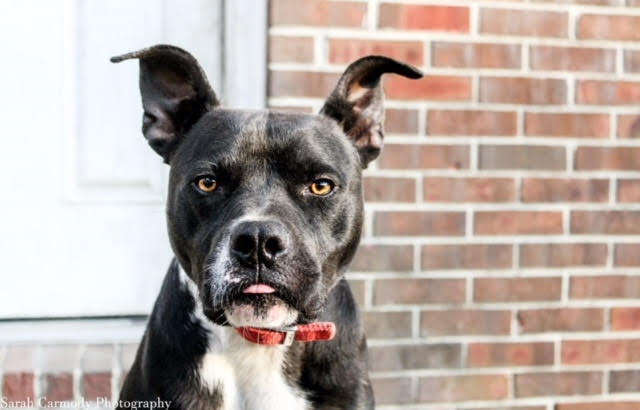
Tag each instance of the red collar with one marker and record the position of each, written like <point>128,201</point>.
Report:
<point>302,333</point>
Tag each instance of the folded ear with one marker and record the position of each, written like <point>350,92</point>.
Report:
<point>356,102</point>
<point>175,94</point>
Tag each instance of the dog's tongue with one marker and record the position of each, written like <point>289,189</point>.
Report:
<point>259,288</point>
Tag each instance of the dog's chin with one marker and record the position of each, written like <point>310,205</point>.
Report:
<point>261,311</point>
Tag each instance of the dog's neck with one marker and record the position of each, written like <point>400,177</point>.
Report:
<point>247,375</point>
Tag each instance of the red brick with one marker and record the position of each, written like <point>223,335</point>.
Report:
<point>510,354</point>
<point>605,287</point>
<point>475,55</point>
<point>445,189</point>
<point>398,121</point>
<point>624,381</point>
<point>301,83</point>
<point>471,123</point>
<point>463,388</point>
<point>625,318</point>
<point>346,51</point>
<point>605,222</point>
<point>606,92</point>
<point>564,190</point>
<point>472,256</point>
<point>629,190</point>
<point>18,387</point>
<point>632,61</point>
<point>418,291</point>
<point>561,320</point>
<point>609,405</point>
<point>423,156</point>
<point>563,254</point>
<point>290,49</point>
<point>567,125</point>
<point>600,351</point>
<point>383,258</point>
<point>524,22</point>
<point>430,87</point>
<point>396,390</point>
<point>96,385</point>
<point>612,158</point>
<point>416,223</point>
<point>608,27</point>
<point>558,384</point>
<point>629,126</point>
<point>317,13</point>
<point>382,189</point>
<point>405,357</point>
<point>627,254</point>
<point>464,322</point>
<point>57,387</point>
<point>387,324</point>
<point>419,17</point>
<point>517,222</point>
<point>533,157</point>
<point>523,90</point>
<point>517,289</point>
<point>573,59</point>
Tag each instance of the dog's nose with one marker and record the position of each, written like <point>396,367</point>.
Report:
<point>254,242</point>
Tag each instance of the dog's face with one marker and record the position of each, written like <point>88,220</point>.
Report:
<point>264,198</point>
<point>264,209</point>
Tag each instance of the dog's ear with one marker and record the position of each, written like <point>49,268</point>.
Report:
<point>356,102</point>
<point>175,94</point>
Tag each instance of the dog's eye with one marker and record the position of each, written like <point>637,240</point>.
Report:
<point>321,187</point>
<point>207,184</point>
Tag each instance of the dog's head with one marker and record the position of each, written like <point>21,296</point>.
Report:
<point>264,208</point>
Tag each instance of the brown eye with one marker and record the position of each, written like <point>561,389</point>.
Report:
<point>321,187</point>
<point>207,184</point>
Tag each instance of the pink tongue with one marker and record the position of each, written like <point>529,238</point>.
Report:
<point>259,288</point>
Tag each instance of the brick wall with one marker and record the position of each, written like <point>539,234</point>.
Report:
<point>501,258</point>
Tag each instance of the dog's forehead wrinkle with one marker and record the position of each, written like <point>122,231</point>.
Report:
<point>255,140</point>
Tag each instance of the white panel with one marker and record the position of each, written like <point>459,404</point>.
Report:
<point>109,148</point>
<point>83,226</point>
<point>106,158</point>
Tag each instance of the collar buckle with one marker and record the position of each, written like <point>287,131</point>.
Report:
<point>289,335</point>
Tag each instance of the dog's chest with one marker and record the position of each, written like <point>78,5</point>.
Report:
<point>249,376</point>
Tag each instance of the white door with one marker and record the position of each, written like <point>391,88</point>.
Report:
<point>82,217</point>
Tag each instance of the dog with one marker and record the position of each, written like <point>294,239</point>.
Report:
<point>264,215</point>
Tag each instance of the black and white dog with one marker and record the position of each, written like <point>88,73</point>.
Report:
<point>264,214</point>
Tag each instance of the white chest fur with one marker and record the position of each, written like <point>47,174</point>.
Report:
<point>249,376</point>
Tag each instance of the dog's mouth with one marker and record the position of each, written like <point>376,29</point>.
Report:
<point>257,299</point>
<point>263,304</point>
<point>260,305</point>
<point>258,289</point>
<point>260,296</point>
